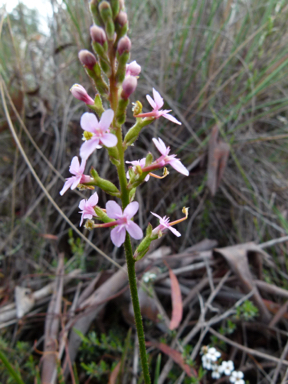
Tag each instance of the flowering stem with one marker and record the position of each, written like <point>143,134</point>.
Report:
<point>136,307</point>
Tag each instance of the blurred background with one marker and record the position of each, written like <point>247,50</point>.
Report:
<point>221,66</point>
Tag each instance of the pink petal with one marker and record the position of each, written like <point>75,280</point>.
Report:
<point>131,209</point>
<point>76,181</point>
<point>93,199</point>
<point>176,164</point>
<point>155,214</point>
<point>81,221</point>
<point>66,186</point>
<point>160,146</point>
<point>82,204</point>
<point>118,235</point>
<point>88,147</point>
<point>158,99</point>
<point>82,166</point>
<point>171,118</point>
<point>151,101</point>
<point>106,120</point>
<point>88,122</point>
<point>113,209</point>
<point>174,231</point>
<point>109,140</point>
<point>87,216</point>
<point>74,166</point>
<point>134,230</point>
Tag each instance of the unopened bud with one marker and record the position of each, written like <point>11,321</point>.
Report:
<point>87,58</point>
<point>128,87</point>
<point>133,69</point>
<point>122,18</point>
<point>97,34</point>
<point>124,45</point>
<point>80,93</point>
<point>105,11</point>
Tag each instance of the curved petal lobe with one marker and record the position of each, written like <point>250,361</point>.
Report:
<point>74,166</point>
<point>134,230</point>
<point>113,209</point>
<point>118,235</point>
<point>176,164</point>
<point>88,122</point>
<point>158,99</point>
<point>131,209</point>
<point>109,140</point>
<point>106,119</point>
<point>88,147</point>
<point>171,118</point>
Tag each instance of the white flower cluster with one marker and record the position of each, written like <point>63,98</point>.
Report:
<point>209,362</point>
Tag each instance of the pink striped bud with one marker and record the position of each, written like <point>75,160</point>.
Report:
<point>122,18</point>
<point>87,58</point>
<point>97,34</point>
<point>80,93</point>
<point>124,45</point>
<point>128,87</point>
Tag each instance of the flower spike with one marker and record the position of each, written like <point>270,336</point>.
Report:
<point>156,104</point>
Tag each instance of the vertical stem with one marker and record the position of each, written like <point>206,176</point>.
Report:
<point>136,308</point>
<point>113,98</point>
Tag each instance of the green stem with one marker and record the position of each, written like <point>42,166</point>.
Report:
<point>136,307</point>
<point>113,98</point>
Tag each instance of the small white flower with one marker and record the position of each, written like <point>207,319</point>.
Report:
<point>213,354</point>
<point>227,367</point>
<point>217,371</point>
<point>237,377</point>
<point>206,362</point>
<point>149,276</point>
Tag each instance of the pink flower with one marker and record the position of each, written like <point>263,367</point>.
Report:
<point>156,104</point>
<point>80,93</point>
<point>164,224</point>
<point>99,130</point>
<point>141,164</point>
<point>77,170</point>
<point>133,69</point>
<point>123,222</point>
<point>165,159</point>
<point>87,207</point>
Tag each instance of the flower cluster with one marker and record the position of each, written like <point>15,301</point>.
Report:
<point>210,357</point>
<point>115,80</point>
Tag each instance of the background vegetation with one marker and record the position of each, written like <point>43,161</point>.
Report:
<point>216,63</point>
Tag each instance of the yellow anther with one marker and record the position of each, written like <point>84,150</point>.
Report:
<point>87,135</point>
<point>137,108</point>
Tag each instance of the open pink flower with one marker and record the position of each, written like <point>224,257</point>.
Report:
<point>164,224</point>
<point>165,159</point>
<point>77,170</point>
<point>99,130</point>
<point>80,93</point>
<point>141,164</point>
<point>87,207</point>
<point>156,104</point>
<point>123,222</point>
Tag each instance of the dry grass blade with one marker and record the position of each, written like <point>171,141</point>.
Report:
<point>49,366</point>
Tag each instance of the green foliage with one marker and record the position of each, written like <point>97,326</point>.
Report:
<point>77,249</point>
<point>18,364</point>
<point>247,311</point>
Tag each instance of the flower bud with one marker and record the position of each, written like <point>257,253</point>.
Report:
<point>80,93</point>
<point>97,34</point>
<point>122,18</point>
<point>87,58</point>
<point>105,11</point>
<point>124,45</point>
<point>121,4</point>
<point>133,69</point>
<point>128,87</point>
